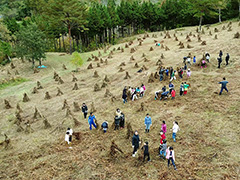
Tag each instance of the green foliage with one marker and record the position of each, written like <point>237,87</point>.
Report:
<point>12,82</point>
<point>5,52</point>
<point>30,43</point>
<point>76,59</point>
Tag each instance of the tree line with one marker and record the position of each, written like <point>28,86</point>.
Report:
<point>83,25</point>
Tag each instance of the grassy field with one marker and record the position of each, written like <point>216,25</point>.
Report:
<point>207,145</point>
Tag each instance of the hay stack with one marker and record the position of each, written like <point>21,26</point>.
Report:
<point>104,84</point>
<point>106,61</point>
<point>136,65</point>
<point>151,49</point>
<point>95,75</point>
<point>166,48</point>
<point>74,78</point>
<point>98,65</point>
<point>151,78</point>
<point>36,114</point>
<point>99,54</point>
<point>39,86</point>
<point>65,104</point>
<point>215,36</point>
<point>101,60</point>
<point>47,96</point>
<point>89,59</point>
<point>34,91</point>
<point>106,79</point>
<point>144,67</point>
<point>25,97</point>
<point>96,87</point>
<point>181,46</point>
<point>60,81</point>
<point>35,71</point>
<point>46,123</point>
<point>132,58</point>
<point>237,35</point>
<point>162,56</point>
<point>64,67</point>
<point>107,93</point>
<point>121,69</point>
<point>90,66</point>
<point>127,76</point>
<point>216,30</point>
<point>75,87</point>
<point>7,104</point>
<point>189,46</point>
<point>146,59</point>
<point>204,43</point>
<point>126,46</point>
<point>122,64</point>
<point>76,107</point>
<point>19,108</point>
<point>59,93</point>
<point>16,72</point>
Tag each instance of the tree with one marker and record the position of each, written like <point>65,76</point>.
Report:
<point>31,44</point>
<point>69,13</point>
<point>202,8</point>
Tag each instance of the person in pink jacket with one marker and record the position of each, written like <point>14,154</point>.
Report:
<point>164,127</point>
<point>170,157</point>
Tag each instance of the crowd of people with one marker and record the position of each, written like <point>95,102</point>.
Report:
<point>165,152</point>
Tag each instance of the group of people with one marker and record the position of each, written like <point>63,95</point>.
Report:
<point>133,93</point>
<point>220,58</point>
<point>163,94</point>
<point>164,151</point>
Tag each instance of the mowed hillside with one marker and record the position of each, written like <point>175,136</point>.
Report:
<point>207,145</point>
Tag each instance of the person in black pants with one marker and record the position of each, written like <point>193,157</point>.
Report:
<point>135,143</point>
<point>220,54</point>
<point>117,122</point>
<point>122,120</point>
<point>219,61</point>
<point>227,59</point>
<point>84,110</point>
<point>146,152</point>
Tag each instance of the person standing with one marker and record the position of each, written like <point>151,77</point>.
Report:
<point>173,76</point>
<point>163,149</point>
<point>173,93</point>
<point>148,123</point>
<point>219,61</point>
<point>124,95</point>
<point>180,73</point>
<point>194,60</point>
<point>171,86</point>
<point>117,122</point>
<point>175,129</point>
<point>135,143</point>
<point>84,110</point>
<point>164,127</point>
<point>224,85</point>
<point>189,73</point>
<point>161,71</point>
<point>185,85</point>
<point>181,89</point>
<point>171,157</point>
<point>220,54</point>
<point>146,152</point>
<point>91,122</point>
<point>162,137</point>
<point>227,59</point>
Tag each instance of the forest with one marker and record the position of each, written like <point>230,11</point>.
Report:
<point>29,28</point>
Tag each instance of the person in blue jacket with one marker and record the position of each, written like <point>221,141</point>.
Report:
<point>224,85</point>
<point>91,122</point>
<point>148,123</point>
<point>105,126</point>
<point>164,95</point>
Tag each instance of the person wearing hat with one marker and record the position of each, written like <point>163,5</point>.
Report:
<point>146,152</point>
<point>135,143</point>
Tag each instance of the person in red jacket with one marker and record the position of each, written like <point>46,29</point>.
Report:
<point>162,137</point>
<point>173,93</point>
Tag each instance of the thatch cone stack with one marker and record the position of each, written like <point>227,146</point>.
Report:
<point>74,78</point>
<point>132,50</point>
<point>75,87</point>
<point>203,32</point>
<point>64,67</point>
<point>47,96</point>
<point>96,58</point>
<point>60,81</point>
<point>140,43</point>
<point>106,79</point>
<point>89,59</point>
<point>151,49</point>
<point>216,30</point>
<point>122,64</point>
<point>76,122</point>
<point>126,46</point>
<point>146,59</point>
<point>98,65</point>
<point>237,35</point>
<point>104,84</point>
<point>176,39</point>
<point>35,71</point>
<point>127,76</point>
<point>121,69</point>
<point>59,92</point>
<point>122,50</point>
<point>18,118</point>
<point>142,108</point>
<point>230,28</point>
<point>151,78</point>
<point>143,55</point>
<point>162,56</point>
<point>93,109</point>
<point>96,87</point>
<point>12,65</point>
<point>114,149</point>
<point>7,104</point>
<point>144,67</point>
<point>90,66</point>
<point>95,74</point>
<point>181,46</point>
<point>56,77</point>
<point>215,36</point>
<point>210,33</point>
<point>76,107</point>
<point>136,65</point>
<point>68,112</point>
<point>223,28</point>
<point>129,131</point>
<point>39,86</point>
<point>8,72</point>
<point>189,40</point>
<point>6,142</point>
<point>166,48</point>
<point>132,58</point>
<point>35,91</point>
<point>107,93</point>
<point>156,76</point>
<point>36,114</point>
<point>204,43</point>
<point>65,104</point>
<point>159,62</point>
<point>119,48</point>
<point>92,55</point>
<point>19,108</point>
<point>46,123</point>
<point>25,97</point>
<point>16,72</point>
<point>106,61</point>
<point>110,56</point>
<point>101,61</point>
<point>28,129</point>
<point>189,46</point>
<point>99,54</point>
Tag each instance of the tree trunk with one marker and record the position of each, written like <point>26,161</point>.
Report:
<point>200,23</point>
<point>55,46</point>
<point>219,15</point>
<point>33,63</point>
<point>40,62</point>
<point>70,39</point>
<point>109,36</point>
<point>73,44</point>
<point>106,35</point>
<point>113,36</point>
<point>64,48</point>
<point>60,47</point>
<point>122,31</point>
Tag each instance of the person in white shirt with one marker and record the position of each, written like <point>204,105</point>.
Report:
<point>68,135</point>
<point>175,129</point>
